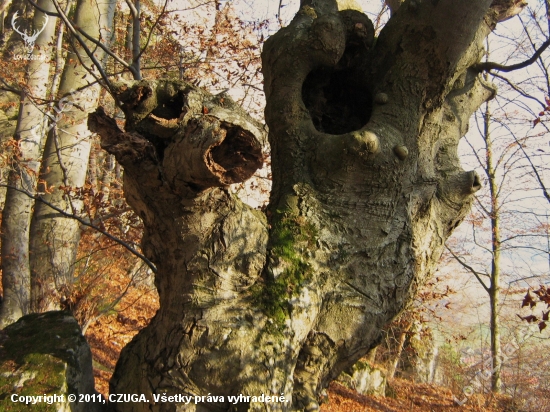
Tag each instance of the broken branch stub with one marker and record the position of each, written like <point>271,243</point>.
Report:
<point>199,140</point>
<point>212,152</point>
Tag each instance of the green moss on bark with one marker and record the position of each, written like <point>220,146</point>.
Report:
<point>291,237</point>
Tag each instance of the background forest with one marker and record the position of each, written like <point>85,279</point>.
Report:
<point>70,241</point>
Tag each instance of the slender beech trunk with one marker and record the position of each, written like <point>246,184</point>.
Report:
<point>106,179</point>
<point>371,356</point>
<point>10,44</point>
<point>494,289</point>
<point>394,363</point>
<point>29,135</point>
<point>133,37</point>
<point>92,171</point>
<point>367,186</point>
<point>54,238</point>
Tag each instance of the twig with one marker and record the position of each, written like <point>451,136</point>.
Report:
<point>517,89</point>
<point>279,13</point>
<point>155,24</point>
<point>85,223</point>
<point>487,66</point>
<point>75,34</point>
<point>471,269</point>
<point>8,88</point>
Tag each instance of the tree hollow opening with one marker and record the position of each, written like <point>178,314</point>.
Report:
<point>237,157</point>
<point>170,109</point>
<point>336,101</point>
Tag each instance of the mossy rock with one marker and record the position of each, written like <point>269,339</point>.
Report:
<point>365,379</point>
<point>43,355</point>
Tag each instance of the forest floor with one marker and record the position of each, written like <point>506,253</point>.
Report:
<point>409,396</point>
<point>109,334</point>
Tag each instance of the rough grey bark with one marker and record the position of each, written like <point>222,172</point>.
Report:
<point>385,194</point>
<point>180,150</point>
<point>54,238</point>
<point>367,186</point>
<point>17,210</point>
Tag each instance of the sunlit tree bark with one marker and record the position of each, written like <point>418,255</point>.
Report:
<point>29,136</point>
<point>54,238</point>
<point>367,186</point>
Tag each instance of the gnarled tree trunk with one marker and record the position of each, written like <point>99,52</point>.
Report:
<point>367,187</point>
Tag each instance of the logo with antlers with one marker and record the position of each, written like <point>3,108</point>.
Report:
<point>28,39</point>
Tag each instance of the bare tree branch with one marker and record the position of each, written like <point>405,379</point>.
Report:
<point>471,269</point>
<point>535,171</point>
<point>86,223</point>
<point>517,89</point>
<point>61,14</point>
<point>9,88</point>
<point>487,66</point>
<point>155,24</point>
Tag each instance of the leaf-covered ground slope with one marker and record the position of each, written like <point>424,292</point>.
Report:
<point>409,396</point>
